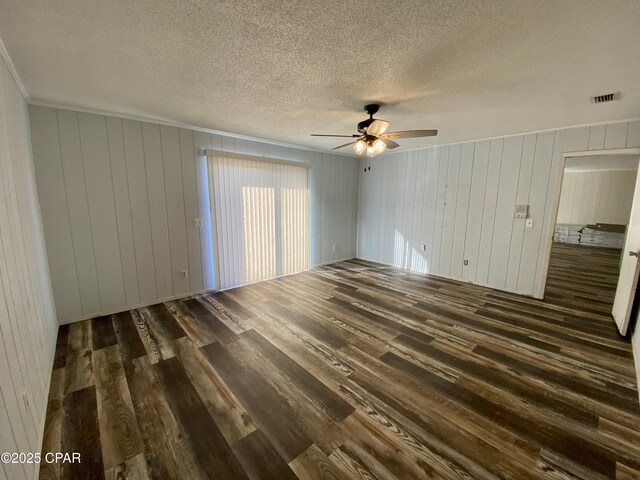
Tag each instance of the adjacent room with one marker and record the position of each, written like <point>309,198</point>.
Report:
<point>329,240</point>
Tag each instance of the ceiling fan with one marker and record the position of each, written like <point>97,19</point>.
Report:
<point>373,138</point>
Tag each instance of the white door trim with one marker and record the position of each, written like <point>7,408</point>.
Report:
<point>556,203</point>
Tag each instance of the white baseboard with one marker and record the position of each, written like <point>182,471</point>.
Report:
<point>437,275</point>
<point>169,299</point>
<point>131,307</point>
<point>333,261</point>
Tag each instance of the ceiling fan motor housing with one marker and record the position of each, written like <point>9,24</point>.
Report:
<point>371,110</point>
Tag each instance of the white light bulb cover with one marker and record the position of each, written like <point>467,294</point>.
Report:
<point>371,151</point>
<point>359,147</point>
<point>379,145</point>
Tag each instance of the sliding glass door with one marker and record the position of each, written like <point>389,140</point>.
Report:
<point>260,219</point>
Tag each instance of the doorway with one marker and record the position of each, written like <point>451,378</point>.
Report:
<point>592,218</point>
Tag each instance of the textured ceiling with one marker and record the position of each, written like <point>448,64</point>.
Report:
<point>280,70</point>
<point>601,162</point>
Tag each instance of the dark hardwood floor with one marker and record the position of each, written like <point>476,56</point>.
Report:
<point>354,370</point>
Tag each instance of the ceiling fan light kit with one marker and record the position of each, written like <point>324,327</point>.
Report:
<point>372,138</point>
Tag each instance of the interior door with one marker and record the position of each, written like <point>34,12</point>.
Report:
<point>630,266</point>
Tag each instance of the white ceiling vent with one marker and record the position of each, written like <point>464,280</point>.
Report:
<point>608,97</point>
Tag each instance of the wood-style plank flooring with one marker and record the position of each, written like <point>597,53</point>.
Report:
<point>353,370</point>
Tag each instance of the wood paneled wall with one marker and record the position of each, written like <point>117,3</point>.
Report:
<point>28,326</point>
<point>119,197</point>
<point>459,201</point>
<point>596,197</point>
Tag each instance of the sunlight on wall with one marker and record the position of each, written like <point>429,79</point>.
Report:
<point>406,256</point>
<point>418,261</point>
<point>399,249</point>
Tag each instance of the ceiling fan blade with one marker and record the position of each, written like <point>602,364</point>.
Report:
<point>323,135</point>
<point>377,127</point>
<point>345,145</point>
<point>390,143</point>
<point>411,134</point>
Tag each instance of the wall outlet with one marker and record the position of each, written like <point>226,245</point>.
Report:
<point>465,262</point>
<point>335,247</point>
<point>528,223</point>
<point>423,247</point>
<point>184,274</point>
<point>198,222</point>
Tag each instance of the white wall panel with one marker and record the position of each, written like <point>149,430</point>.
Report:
<point>616,135</point>
<point>489,211</point>
<point>102,212</point>
<point>459,201</point>
<point>157,209</point>
<point>522,198</point>
<point>596,197</point>
<point>462,210</point>
<point>28,326</point>
<point>596,137</point>
<point>188,164</point>
<point>176,220</point>
<point>139,208</point>
<point>76,194</point>
<point>119,198</point>
<point>450,206</point>
<point>443,170</point>
<point>123,211</point>
<point>476,208</point>
<point>506,200</point>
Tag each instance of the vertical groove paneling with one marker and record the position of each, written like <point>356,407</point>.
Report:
<point>450,206</point>
<point>489,211</point>
<point>176,222</point>
<point>28,324</point>
<point>139,208</point>
<point>76,193</point>
<point>55,213</point>
<point>522,198</point>
<point>606,197</point>
<point>443,169</point>
<point>119,198</point>
<point>102,212</point>
<point>503,223</point>
<point>459,201</point>
<point>152,149</point>
<point>188,163</point>
<point>462,210</point>
<point>476,208</point>
<point>123,210</point>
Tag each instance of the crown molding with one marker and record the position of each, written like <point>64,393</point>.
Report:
<point>171,123</point>
<point>582,125</point>
<point>12,68</point>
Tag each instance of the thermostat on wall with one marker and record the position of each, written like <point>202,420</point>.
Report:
<point>521,211</point>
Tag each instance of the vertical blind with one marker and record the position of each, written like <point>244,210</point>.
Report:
<point>260,219</point>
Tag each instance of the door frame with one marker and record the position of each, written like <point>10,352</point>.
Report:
<point>556,203</point>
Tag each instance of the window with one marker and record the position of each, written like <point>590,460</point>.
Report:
<point>260,219</point>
